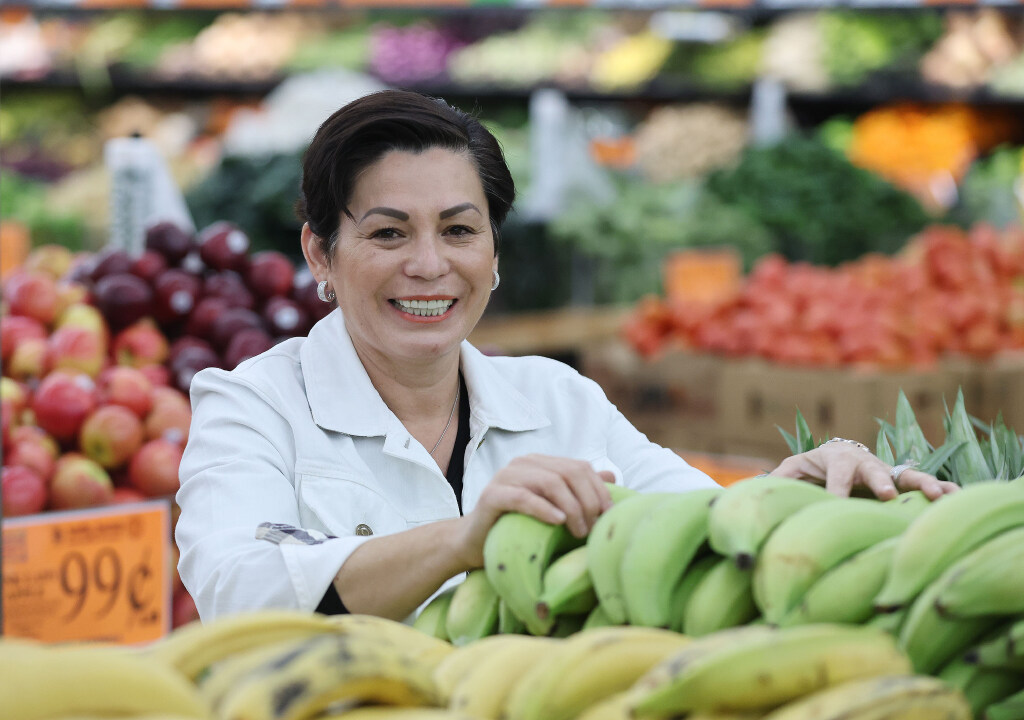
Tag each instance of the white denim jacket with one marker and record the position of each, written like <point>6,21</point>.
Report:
<point>293,459</point>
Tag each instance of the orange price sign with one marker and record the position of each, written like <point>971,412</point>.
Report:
<point>99,574</point>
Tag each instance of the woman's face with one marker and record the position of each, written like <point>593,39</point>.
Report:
<point>413,267</point>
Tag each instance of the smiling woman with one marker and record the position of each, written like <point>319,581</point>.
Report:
<point>307,480</point>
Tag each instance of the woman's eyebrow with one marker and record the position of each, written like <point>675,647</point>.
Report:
<point>390,212</point>
<point>444,214</point>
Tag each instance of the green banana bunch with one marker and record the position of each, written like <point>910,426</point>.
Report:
<point>949,529</point>
<point>658,553</point>
<point>432,619</point>
<point>846,593</point>
<point>568,589</point>
<point>891,696</point>
<point>196,646</point>
<point>980,686</point>
<point>302,681</point>
<point>890,622</point>
<point>1002,651</point>
<point>568,625</point>
<point>746,513</point>
<point>816,538</point>
<point>1011,708</point>
<point>597,618</point>
<point>931,640</point>
<point>508,623</point>
<point>607,544</point>
<point>482,691</point>
<point>41,682</point>
<point>758,668</point>
<point>698,569</point>
<point>473,610</point>
<point>587,668</point>
<point>722,599</point>
<point>987,581</point>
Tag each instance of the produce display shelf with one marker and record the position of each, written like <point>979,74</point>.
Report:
<point>770,6</point>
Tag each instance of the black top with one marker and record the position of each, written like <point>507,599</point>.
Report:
<point>331,603</point>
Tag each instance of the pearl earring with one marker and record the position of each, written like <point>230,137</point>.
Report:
<point>321,292</point>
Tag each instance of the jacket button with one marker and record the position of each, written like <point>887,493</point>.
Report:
<point>363,529</point>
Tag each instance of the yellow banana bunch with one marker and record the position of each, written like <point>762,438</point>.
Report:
<point>452,669</point>
<point>913,697</point>
<point>483,689</point>
<point>632,62</point>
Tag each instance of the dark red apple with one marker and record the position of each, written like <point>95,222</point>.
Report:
<point>230,286</point>
<point>270,274</point>
<point>285,317</point>
<point>110,262</point>
<point>123,298</point>
<point>189,361</point>
<point>245,344</point>
<point>232,321</point>
<point>200,322</point>
<point>149,265</point>
<point>184,343</point>
<point>223,246</point>
<point>170,240</point>
<point>176,293</point>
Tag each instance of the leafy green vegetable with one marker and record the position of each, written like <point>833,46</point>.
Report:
<point>25,200</point>
<point>857,43</point>
<point>987,193</point>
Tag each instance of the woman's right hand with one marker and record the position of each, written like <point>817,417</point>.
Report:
<point>555,490</point>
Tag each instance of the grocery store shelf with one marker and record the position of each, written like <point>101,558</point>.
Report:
<point>127,81</point>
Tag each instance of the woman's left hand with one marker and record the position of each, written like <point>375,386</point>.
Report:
<point>841,466</point>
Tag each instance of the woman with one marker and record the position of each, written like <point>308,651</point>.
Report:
<point>360,468</point>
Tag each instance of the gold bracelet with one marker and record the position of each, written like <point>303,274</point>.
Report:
<point>861,445</point>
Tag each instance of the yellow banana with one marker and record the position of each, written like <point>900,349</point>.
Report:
<point>194,647</point>
<point>617,707</point>
<point>482,691</point>
<point>43,683</point>
<point>453,668</point>
<point>423,647</point>
<point>761,670</point>
<point>722,599</point>
<point>302,682</point>
<point>587,668</point>
<point>431,620</point>
<point>397,713</point>
<point>473,611</point>
<point>894,696</point>
<point>224,675</point>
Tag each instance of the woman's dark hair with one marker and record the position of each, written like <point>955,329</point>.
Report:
<point>360,133</point>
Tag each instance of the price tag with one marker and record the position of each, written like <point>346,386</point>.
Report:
<point>98,574</point>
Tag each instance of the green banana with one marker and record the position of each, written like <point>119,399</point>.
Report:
<point>508,623</point>
<point>722,599</point>
<point>1010,708</point>
<point>890,622</point>
<point>473,610</point>
<point>980,686</point>
<point>517,550</point>
<point>597,618</point>
<point>698,569</point>
<point>566,625</point>
<point>987,581</point>
<point>432,619</point>
<point>568,589</point>
<point>931,640</point>
<point>996,653</point>
<point>762,670</point>
<point>953,526</point>
<point>745,514</point>
<point>658,553</point>
<point>846,593</point>
<point>816,538</point>
<point>606,545</point>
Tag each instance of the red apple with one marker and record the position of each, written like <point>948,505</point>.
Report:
<point>245,344</point>
<point>14,329</point>
<point>36,436</point>
<point>157,375</point>
<point>8,423</point>
<point>28,360</point>
<point>128,387</point>
<point>111,435</point>
<point>223,246</point>
<point>77,349</point>
<point>232,321</point>
<point>53,260</point>
<point>140,344</point>
<point>270,274</point>
<point>79,482</point>
<point>124,495</point>
<point>200,323</point>
<point>111,261</point>
<point>230,286</point>
<point>15,392</point>
<point>183,610</point>
<point>176,293</point>
<point>83,315</point>
<point>62,402</point>
<point>123,299</point>
<point>32,455</point>
<point>22,490</point>
<point>189,361</point>
<point>149,265</point>
<point>285,317</point>
<point>170,240</point>
<point>169,421</point>
<point>154,468</point>
<point>32,295</point>
<point>70,293</point>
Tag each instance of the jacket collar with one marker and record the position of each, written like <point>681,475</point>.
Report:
<point>342,398</point>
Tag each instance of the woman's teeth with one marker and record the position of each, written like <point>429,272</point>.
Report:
<point>424,307</point>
